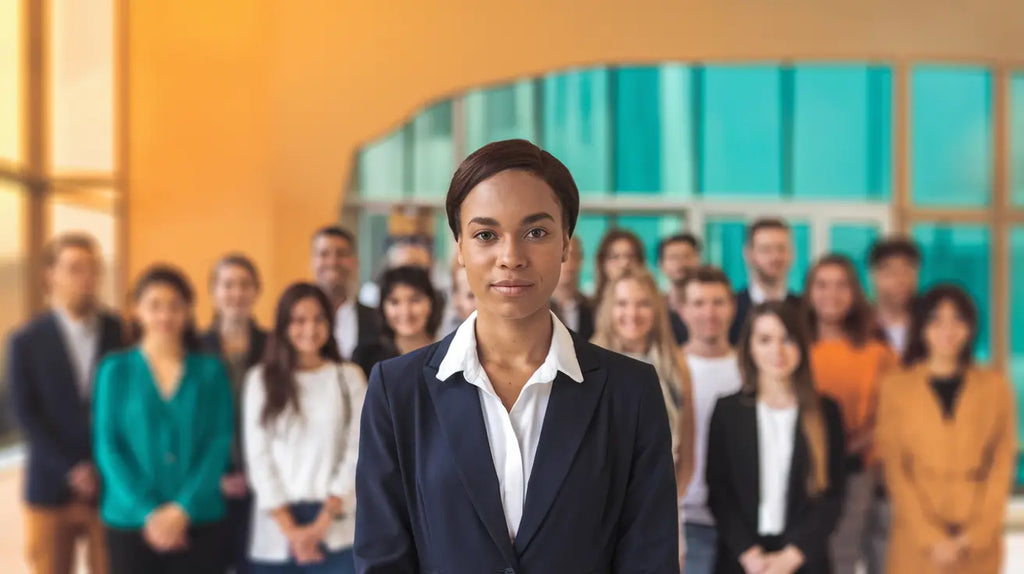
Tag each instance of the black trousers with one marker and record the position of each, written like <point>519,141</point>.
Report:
<point>206,553</point>
<point>238,533</point>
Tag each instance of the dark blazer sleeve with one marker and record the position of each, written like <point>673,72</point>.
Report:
<point>648,525</point>
<point>25,402</point>
<point>743,304</point>
<point>383,539</point>
<point>722,501</point>
<point>810,530</point>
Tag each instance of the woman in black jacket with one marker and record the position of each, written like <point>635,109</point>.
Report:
<point>775,456</point>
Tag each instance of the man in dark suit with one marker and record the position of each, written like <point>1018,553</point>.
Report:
<point>677,256</point>
<point>50,366</point>
<point>335,266</point>
<point>568,302</point>
<point>768,251</point>
<point>513,445</point>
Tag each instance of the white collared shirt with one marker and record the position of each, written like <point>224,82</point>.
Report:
<point>758,295</point>
<point>346,328</point>
<point>776,436</point>
<point>82,340</point>
<point>512,435</point>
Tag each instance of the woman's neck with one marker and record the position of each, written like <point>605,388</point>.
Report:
<point>512,342</point>
<point>161,348</point>
<point>409,343</point>
<point>776,393</point>
<point>309,361</point>
<point>943,366</point>
<point>233,326</point>
<point>830,331</point>
<point>635,347</point>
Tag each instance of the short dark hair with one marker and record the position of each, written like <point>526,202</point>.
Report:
<point>519,155</point>
<point>335,231</point>
<point>923,308</point>
<point>418,279</point>
<point>235,259</point>
<point>705,274</point>
<point>894,246</point>
<point>763,223</point>
<point>169,276</point>
<point>679,238</point>
<point>69,240</point>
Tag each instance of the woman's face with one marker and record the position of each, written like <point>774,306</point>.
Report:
<point>621,256</point>
<point>407,311</point>
<point>775,354</point>
<point>946,332</point>
<point>234,292</point>
<point>511,243</point>
<point>308,327</point>
<point>831,294</point>
<point>162,312</point>
<point>632,312</point>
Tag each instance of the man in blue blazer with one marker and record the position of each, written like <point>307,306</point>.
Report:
<point>512,445</point>
<point>50,366</point>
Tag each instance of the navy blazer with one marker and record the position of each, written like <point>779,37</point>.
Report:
<point>743,306</point>
<point>51,411</point>
<point>601,496</point>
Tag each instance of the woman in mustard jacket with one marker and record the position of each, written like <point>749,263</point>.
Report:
<point>947,438</point>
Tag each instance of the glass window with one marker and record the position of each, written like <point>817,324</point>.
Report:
<point>854,240</point>
<point>382,167</point>
<point>13,271</point>
<point>10,80</point>
<point>741,131</point>
<point>678,153</point>
<point>724,240</point>
<point>82,60</point>
<point>501,113</point>
<point>651,229</point>
<point>951,127</point>
<point>373,235</point>
<point>1016,371</point>
<point>91,211</point>
<point>576,129</point>
<point>637,130</point>
<point>590,228</point>
<point>433,155</point>
<point>960,254</point>
<point>1017,138</point>
<point>841,132</point>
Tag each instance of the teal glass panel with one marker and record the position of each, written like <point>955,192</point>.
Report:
<point>577,126</point>
<point>678,130</point>
<point>841,132</point>
<point>854,240</point>
<point>1017,138</point>
<point>1016,370</point>
<point>723,246</point>
<point>651,229</point>
<point>637,130</point>
<point>951,127</point>
<point>590,228</point>
<point>433,154</point>
<point>373,234</point>
<point>383,167</point>
<point>500,113</point>
<point>741,131</point>
<point>960,254</point>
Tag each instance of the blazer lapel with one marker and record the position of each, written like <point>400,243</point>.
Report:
<point>748,452</point>
<point>457,404</point>
<point>570,410</point>
<point>62,362</point>
<point>798,473</point>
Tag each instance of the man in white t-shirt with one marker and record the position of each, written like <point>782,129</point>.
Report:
<point>708,307</point>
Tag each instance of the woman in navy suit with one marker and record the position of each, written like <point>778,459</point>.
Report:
<point>511,445</point>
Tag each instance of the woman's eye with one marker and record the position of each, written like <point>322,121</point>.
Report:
<point>485,235</point>
<point>537,233</point>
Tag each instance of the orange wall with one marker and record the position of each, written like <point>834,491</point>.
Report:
<point>244,117</point>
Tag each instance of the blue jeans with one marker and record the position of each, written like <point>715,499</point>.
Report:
<point>701,548</point>
<point>339,562</point>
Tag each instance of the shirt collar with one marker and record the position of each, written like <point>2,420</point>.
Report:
<point>87,325</point>
<point>348,307</point>
<point>758,295</point>
<point>462,354</point>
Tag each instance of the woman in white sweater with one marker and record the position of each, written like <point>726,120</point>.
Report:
<point>301,423</point>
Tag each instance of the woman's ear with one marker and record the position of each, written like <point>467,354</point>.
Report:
<point>566,241</point>
<point>458,252</point>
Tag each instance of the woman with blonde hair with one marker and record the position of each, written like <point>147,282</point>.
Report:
<point>632,319</point>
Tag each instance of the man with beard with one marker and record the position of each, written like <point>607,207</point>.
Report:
<point>769,255</point>
<point>335,267</point>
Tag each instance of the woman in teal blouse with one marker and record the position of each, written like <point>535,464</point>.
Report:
<point>163,431</point>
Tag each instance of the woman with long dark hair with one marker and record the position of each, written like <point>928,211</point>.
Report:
<point>410,315</point>
<point>163,430</point>
<point>848,357</point>
<point>301,408</point>
<point>947,437</point>
<point>239,341</point>
<point>775,455</point>
<point>619,250</point>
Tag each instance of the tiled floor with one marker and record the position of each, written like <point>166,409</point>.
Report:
<point>11,526</point>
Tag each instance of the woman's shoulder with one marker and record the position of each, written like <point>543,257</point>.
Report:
<point>116,359</point>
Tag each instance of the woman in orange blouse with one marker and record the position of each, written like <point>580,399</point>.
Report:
<point>947,438</point>
<point>847,360</point>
